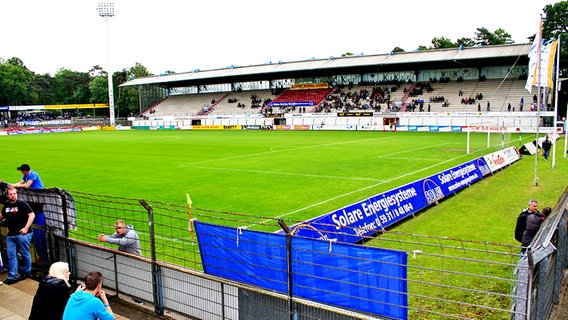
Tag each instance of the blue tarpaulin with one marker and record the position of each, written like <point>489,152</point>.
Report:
<point>369,280</point>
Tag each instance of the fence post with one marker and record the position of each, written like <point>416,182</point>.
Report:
<point>565,240</point>
<point>560,257</point>
<point>286,229</point>
<point>541,282</point>
<point>69,247</point>
<point>523,289</point>
<point>156,270</point>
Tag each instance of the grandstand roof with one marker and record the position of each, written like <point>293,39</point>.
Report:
<point>471,57</point>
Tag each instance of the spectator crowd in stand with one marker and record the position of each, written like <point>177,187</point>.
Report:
<point>365,100</point>
<point>377,97</point>
<point>470,100</point>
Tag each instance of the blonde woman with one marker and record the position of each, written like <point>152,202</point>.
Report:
<point>52,293</point>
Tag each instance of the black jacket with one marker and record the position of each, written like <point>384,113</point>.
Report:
<point>521,224</point>
<point>50,299</point>
<point>533,224</point>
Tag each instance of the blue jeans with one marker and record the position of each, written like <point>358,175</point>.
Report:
<point>21,243</point>
<point>40,242</point>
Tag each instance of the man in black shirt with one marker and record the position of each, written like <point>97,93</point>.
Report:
<point>19,218</point>
<point>546,145</point>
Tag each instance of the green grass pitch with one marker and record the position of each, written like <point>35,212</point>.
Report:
<point>291,174</point>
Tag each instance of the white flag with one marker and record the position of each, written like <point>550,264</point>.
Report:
<point>539,73</point>
<point>533,58</point>
<point>548,53</point>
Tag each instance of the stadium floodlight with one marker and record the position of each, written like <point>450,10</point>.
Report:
<point>106,10</point>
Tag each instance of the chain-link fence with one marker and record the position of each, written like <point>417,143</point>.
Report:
<point>437,277</point>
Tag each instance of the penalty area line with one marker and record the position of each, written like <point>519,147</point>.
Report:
<point>283,173</point>
<point>364,188</point>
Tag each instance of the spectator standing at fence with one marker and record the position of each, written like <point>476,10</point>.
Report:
<point>19,218</point>
<point>30,178</point>
<point>533,224</point>
<point>546,145</point>
<point>52,293</point>
<point>521,225</point>
<point>126,238</point>
<point>89,302</point>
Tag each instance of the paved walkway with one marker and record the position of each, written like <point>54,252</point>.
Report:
<point>17,300</point>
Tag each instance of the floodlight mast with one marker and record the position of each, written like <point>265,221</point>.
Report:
<point>106,10</point>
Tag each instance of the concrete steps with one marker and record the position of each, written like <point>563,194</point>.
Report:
<point>17,299</point>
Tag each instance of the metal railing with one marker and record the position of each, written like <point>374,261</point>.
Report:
<point>446,278</point>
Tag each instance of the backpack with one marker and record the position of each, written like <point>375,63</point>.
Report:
<point>521,224</point>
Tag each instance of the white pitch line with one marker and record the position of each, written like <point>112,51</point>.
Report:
<point>412,150</point>
<point>414,159</point>
<point>275,148</point>
<point>306,174</point>
<point>365,188</point>
<point>332,144</point>
<point>283,150</point>
<point>283,173</point>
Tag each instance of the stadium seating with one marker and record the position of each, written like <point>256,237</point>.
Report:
<point>241,102</point>
<point>305,95</point>
<point>498,92</point>
<point>185,105</point>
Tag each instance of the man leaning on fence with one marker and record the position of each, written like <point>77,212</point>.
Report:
<point>126,238</point>
<point>30,179</point>
<point>521,224</point>
<point>533,224</point>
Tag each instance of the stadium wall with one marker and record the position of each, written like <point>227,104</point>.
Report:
<point>512,122</point>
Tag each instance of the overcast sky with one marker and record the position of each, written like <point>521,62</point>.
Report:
<point>183,35</point>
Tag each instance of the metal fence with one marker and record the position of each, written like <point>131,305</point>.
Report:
<point>540,270</point>
<point>446,278</point>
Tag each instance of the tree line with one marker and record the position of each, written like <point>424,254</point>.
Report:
<point>20,86</point>
<point>555,25</point>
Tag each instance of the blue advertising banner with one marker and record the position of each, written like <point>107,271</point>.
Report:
<point>359,220</point>
<point>412,128</point>
<point>434,129</point>
<point>290,103</point>
<point>372,280</point>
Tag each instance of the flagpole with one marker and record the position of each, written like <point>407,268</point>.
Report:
<point>539,98</point>
<point>190,226</point>
<point>556,101</point>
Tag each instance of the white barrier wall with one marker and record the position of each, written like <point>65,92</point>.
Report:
<point>413,121</point>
